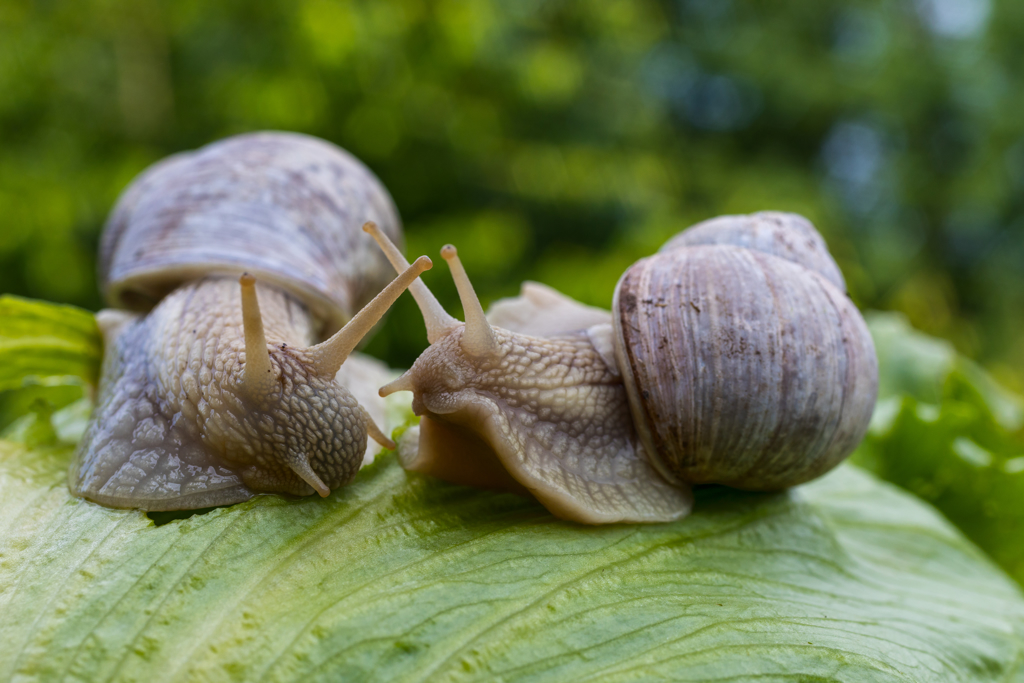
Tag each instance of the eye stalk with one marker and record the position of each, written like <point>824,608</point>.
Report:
<point>437,320</point>
<point>220,391</point>
<point>329,355</point>
<point>258,380</point>
<point>503,425</point>
<point>478,340</point>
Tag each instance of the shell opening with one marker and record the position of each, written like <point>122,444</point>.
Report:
<point>436,319</point>
<point>478,339</point>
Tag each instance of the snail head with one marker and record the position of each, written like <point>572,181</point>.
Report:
<point>460,354</point>
<point>292,391</point>
<point>453,381</point>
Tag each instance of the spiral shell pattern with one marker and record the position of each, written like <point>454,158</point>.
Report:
<point>743,368</point>
<point>287,208</point>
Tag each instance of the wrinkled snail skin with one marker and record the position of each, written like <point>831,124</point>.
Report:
<point>221,391</point>
<point>552,412</point>
<point>719,363</point>
<point>546,416</point>
<point>172,395</point>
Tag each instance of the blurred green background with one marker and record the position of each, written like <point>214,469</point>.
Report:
<point>556,141</point>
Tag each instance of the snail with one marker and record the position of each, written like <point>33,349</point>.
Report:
<point>732,356</point>
<point>245,253</point>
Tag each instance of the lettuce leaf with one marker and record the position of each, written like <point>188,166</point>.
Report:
<point>49,359</point>
<point>397,577</point>
<point>945,431</point>
<point>44,341</point>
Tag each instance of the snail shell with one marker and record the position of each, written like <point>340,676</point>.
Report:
<point>221,391</point>
<point>785,235</point>
<point>725,359</point>
<point>285,207</point>
<point>742,368</point>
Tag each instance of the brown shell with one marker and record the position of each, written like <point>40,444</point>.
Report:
<point>787,235</point>
<point>753,371</point>
<point>285,207</point>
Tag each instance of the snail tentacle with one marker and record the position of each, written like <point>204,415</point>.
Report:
<point>328,356</point>
<point>195,408</point>
<point>259,377</point>
<point>733,356</point>
<point>401,383</point>
<point>437,320</point>
<point>478,338</point>
<point>299,462</point>
<point>375,432</point>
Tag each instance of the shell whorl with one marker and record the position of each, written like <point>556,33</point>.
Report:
<point>786,235</point>
<point>743,368</point>
<point>286,207</point>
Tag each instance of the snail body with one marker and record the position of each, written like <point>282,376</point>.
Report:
<point>733,356</point>
<point>249,252</point>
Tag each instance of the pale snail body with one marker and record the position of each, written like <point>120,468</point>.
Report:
<point>719,363</point>
<point>218,393</point>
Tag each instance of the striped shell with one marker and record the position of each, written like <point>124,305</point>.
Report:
<point>786,235</point>
<point>287,208</point>
<point>744,368</point>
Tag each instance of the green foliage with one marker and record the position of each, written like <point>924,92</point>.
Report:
<point>558,141</point>
<point>402,577</point>
<point>397,577</point>
<point>49,356</point>
<point>944,431</point>
<point>43,341</point>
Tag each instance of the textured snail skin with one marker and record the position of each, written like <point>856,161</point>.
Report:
<point>734,358</point>
<point>173,427</point>
<point>552,413</point>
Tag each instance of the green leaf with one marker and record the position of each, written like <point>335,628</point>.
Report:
<point>49,355</point>
<point>397,577</point>
<point>945,431</point>
<point>43,340</point>
<point>914,364</point>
